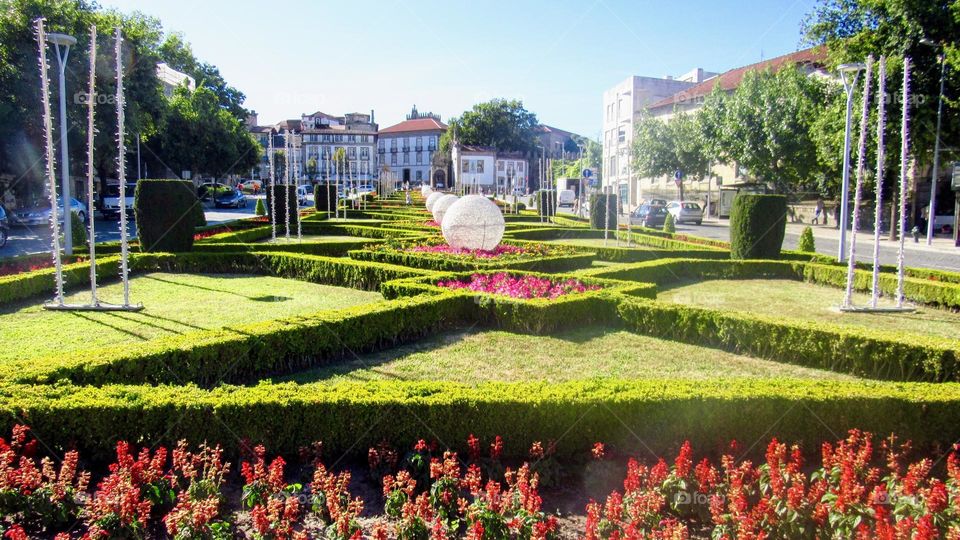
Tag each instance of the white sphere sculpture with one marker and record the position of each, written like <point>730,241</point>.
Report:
<point>442,205</point>
<point>473,222</point>
<point>432,199</point>
<point>426,190</point>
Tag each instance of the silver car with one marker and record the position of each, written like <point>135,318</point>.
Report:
<point>40,214</point>
<point>685,212</point>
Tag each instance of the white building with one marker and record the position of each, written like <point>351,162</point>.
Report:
<point>622,107</point>
<point>170,79</point>
<point>405,151</point>
<point>324,134</point>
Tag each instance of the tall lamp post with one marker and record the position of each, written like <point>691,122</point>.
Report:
<point>62,44</point>
<point>849,73</point>
<point>932,213</point>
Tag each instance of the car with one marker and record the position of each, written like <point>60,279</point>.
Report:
<point>230,199</point>
<point>251,186</point>
<point>40,214</point>
<point>208,190</point>
<point>110,203</point>
<point>302,192</point>
<point>566,197</point>
<point>363,189</point>
<point>685,212</point>
<point>4,226</point>
<point>649,215</point>
<point>657,202</point>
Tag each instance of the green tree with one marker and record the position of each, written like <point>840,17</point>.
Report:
<point>178,54</point>
<point>501,123</point>
<point>663,147</point>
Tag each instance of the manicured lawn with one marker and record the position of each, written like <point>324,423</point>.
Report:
<point>174,304</point>
<point>473,357</point>
<point>589,242</point>
<point>796,299</point>
<point>313,238</point>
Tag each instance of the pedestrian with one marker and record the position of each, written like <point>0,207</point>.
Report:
<point>409,198</point>
<point>818,211</point>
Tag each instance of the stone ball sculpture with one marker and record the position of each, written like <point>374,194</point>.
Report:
<point>473,222</point>
<point>432,199</point>
<point>442,205</point>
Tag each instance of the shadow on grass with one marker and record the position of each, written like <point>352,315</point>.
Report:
<point>201,287</point>
<point>111,326</point>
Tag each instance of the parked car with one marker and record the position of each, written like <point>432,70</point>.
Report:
<point>210,190</point>
<point>363,189</point>
<point>252,186</point>
<point>302,192</point>
<point>649,215</point>
<point>685,212</point>
<point>110,203</point>
<point>40,214</point>
<point>230,199</point>
<point>4,226</point>
<point>657,202</point>
<point>566,197</point>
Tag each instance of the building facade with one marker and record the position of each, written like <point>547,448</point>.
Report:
<point>405,151</point>
<point>623,105</point>
<point>324,134</point>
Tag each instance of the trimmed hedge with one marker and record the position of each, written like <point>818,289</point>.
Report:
<point>286,194</point>
<point>599,218</point>
<point>438,262</point>
<point>325,197</point>
<point>546,201</point>
<point>862,352</point>
<point>633,416</point>
<point>757,226</point>
<point>165,211</point>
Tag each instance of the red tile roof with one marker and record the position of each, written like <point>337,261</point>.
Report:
<point>729,80</point>
<point>417,124</point>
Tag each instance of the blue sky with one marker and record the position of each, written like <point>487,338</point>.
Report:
<point>291,57</point>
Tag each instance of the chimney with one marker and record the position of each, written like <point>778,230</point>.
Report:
<point>371,116</point>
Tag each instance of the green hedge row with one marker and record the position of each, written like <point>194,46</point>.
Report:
<point>339,248</point>
<point>631,417</point>
<point>862,352</point>
<point>241,236</point>
<point>428,261</point>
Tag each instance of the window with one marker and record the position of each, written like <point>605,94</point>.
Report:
<point>465,167</point>
<point>338,138</point>
<point>419,157</point>
<point>351,138</point>
<point>480,166</point>
<point>352,152</point>
<point>393,159</point>
<point>419,143</point>
<point>501,164</point>
<point>406,158</point>
<point>419,176</point>
<point>365,152</point>
<point>520,167</point>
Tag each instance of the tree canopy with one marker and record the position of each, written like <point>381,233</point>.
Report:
<point>500,123</point>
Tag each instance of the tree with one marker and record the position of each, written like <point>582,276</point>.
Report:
<point>500,123</point>
<point>178,54</point>
<point>765,127</point>
<point>663,148</point>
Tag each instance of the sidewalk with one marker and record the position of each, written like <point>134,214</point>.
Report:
<point>941,244</point>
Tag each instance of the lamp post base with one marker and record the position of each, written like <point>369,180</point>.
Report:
<point>53,306</point>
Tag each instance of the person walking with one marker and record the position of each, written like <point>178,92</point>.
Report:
<point>818,211</point>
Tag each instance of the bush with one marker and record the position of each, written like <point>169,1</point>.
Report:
<point>166,214</point>
<point>546,201</point>
<point>325,197</point>
<point>78,231</point>
<point>668,225</point>
<point>599,218</point>
<point>806,244</point>
<point>757,226</point>
<point>285,194</point>
<point>261,208</point>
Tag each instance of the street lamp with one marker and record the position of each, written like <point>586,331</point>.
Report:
<point>62,44</point>
<point>849,73</point>
<point>932,213</point>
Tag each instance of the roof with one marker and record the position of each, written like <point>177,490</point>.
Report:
<point>729,80</point>
<point>261,129</point>
<point>476,149</point>
<point>289,125</point>
<point>417,124</point>
<point>543,128</point>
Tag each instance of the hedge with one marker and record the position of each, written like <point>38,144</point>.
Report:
<point>325,197</point>
<point>285,194</point>
<point>165,211</point>
<point>339,248</point>
<point>757,226</point>
<point>546,201</point>
<point>631,416</point>
<point>428,261</point>
<point>603,211</point>
<point>863,352</point>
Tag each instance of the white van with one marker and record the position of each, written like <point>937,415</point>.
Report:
<point>566,197</point>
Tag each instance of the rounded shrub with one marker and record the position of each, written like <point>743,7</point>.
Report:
<point>325,197</point>
<point>166,214</point>
<point>78,231</point>
<point>260,209</point>
<point>668,224</point>
<point>757,226</point>
<point>599,218</point>
<point>286,194</point>
<point>806,243</point>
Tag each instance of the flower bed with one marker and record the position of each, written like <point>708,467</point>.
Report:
<point>435,254</point>
<point>533,250</point>
<point>525,286</point>
<point>860,488</point>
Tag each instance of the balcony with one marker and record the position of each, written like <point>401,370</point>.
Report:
<point>419,148</point>
<point>393,150</point>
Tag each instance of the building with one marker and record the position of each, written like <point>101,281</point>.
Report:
<point>485,169</point>
<point>170,79</point>
<point>405,151</point>
<point>324,134</point>
<point>623,105</point>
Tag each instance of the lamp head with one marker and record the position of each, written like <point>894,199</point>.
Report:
<point>851,68</point>
<point>62,39</point>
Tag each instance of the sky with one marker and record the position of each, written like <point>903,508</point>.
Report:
<point>297,56</point>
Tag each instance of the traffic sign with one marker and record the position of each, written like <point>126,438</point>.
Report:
<point>587,173</point>
<point>678,177</point>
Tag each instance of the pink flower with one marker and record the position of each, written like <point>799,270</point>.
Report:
<point>519,286</point>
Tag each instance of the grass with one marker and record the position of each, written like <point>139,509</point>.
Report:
<point>807,301</point>
<point>174,304</point>
<point>474,357</point>
<point>314,238</point>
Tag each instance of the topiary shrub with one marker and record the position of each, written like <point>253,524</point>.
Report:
<point>668,224</point>
<point>166,213</point>
<point>546,202</point>
<point>78,231</point>
<point>325,197</point>
<point>806,243</point>
<point>199,217</point>
<point>261,208</point>
<point>285,194</point>
<point>757,226</point>
<point>599,218</point>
